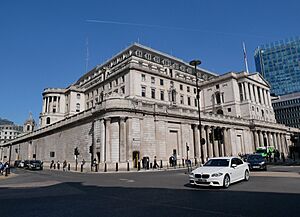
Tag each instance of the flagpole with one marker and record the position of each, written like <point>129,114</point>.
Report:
<point>245,57</point>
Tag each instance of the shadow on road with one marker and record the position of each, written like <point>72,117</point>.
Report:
<point>75,199</point>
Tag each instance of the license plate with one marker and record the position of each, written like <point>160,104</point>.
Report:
<point>255,166</point>
<point>202,180</point>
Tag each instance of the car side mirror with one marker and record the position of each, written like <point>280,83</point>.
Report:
<point>233,165</point>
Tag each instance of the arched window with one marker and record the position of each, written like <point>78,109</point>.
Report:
<point>220,112</point>
<point>47,120</point>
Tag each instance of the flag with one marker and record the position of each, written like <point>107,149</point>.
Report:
<point>245,57</point>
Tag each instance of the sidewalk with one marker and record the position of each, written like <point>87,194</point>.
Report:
<point>288,162</point>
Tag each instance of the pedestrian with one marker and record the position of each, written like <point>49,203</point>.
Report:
<point>58,165</point>
<point>155,164</point>
<point>282,157</point>
<point>51,164</point>
<point>64,165</point>
<point>95,165</point>
<point>82,164</point>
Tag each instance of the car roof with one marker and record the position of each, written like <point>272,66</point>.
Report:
<point>226,158</point>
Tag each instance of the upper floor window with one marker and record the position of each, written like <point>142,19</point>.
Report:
<point>189,100</point>
<point>78,95</point>
<point>78,107</point>
<point>143,77</point>
<point>161,82</point>
<point>153,93</point>
<point>180,86</point>
<point>152,80</point>
<point>181,99</point>
<point>48,120</point>
<point>143,93</point>
<point>162,95</point>
<point>188,89</point>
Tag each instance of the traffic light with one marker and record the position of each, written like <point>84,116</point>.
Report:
<point>76,152</point>
<point>91,149</point>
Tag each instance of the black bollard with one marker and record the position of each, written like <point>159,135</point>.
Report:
<point>151,165</point>
<point>182,162</point>
<point>81,168</point>
<point>96,168</point>
<point>6,171</point>
<point>161,166</point>
<point>105,167</point>
<point>139,166</point>
<point>117,167</point>
<point>58,166</point>
<point>127,165</point>
<point>69,166</point>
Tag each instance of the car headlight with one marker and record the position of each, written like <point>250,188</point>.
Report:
<point>261,163</point>
<point>216,174</point>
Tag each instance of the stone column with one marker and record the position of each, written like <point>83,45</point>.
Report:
<point>107,140</point>
<point>115,139</point>
<point>247,90</point>
<point>209,143</point>
<point>256,140</point>
<point>222,151</point>
<point>215,144</point>
<point>196,141</point>
<point>122,139</point>
<point>204,147</point>
<point>102,141</point>
<point>227,142</point>
<point>279,142</point>
<point>261,139</point>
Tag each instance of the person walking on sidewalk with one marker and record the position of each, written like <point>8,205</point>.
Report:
<point>155,164</point>
<point>64,165</point>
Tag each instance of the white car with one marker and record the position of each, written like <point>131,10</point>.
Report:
<point>220,171</point>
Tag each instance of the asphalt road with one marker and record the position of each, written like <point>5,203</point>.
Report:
<point>160,193</point>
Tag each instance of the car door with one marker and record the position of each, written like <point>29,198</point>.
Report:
<point>240,169</point>
<point>233,169</point>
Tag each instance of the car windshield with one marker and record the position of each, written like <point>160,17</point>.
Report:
<point>217,163</point>
<point>35,161</point>
<point>255,157</point>
<point>260,151</point>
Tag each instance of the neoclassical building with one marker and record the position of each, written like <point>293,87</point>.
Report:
<point>142,103</point>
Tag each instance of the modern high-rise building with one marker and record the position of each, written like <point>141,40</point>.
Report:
<point>279,64</point>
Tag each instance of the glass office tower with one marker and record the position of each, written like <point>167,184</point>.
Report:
<point>279,64</point>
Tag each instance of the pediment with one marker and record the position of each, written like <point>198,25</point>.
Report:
<point>259,78</point>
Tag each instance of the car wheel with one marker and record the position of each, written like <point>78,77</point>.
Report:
<point>226,181</point>
<point>247,175</point>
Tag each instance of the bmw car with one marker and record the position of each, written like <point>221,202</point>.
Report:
<point>220,171</point>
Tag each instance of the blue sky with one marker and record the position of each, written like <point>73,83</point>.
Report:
<point>43,43</point>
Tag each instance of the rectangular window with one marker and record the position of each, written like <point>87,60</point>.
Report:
<point>52,154</point>
<point>241,92</point>
<point>152,80</point>
<point>153,93</point>
<point>123,90</point>
<point>180,87</point>
<point>143,77</point>
<point>162,95</point>
<point>181,99</point>
<point>189,100</point>
<point>161,82</point>
<point>229,109</point>
<point>188,89</point>
<point>143,92</point>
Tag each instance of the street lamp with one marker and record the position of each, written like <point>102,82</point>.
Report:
<point>195,63</point>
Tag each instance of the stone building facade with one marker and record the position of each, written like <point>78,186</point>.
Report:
<point>142,103</point>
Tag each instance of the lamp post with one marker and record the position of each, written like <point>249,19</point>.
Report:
<point>195,63</point>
